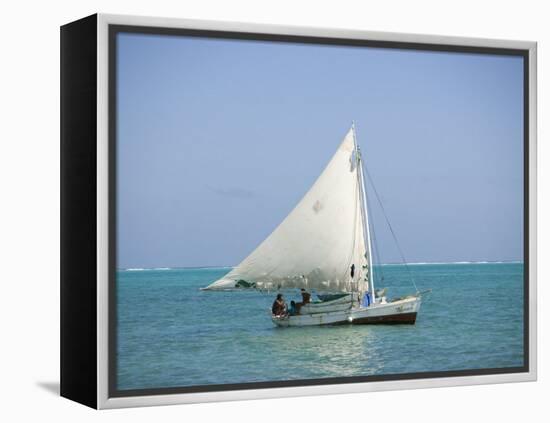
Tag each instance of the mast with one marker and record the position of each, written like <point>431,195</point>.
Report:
<point>364,213</point>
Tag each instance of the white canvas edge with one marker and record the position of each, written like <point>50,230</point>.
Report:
<point>103,400</point>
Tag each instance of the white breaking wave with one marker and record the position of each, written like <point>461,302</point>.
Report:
<point>150,269</point>
<point>209,267</point>
<point>422,263</point>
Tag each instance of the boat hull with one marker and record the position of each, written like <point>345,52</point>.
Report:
<point>392,319</point>
<point>397,312</point>
<point>402,311</point>
<point>317,319</point>
<point>340,304</point>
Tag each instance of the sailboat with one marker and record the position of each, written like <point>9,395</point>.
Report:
<point>324,244</point>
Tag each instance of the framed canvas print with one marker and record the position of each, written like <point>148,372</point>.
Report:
<point>254,211</point>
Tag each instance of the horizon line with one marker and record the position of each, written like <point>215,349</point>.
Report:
<point>160,268</point>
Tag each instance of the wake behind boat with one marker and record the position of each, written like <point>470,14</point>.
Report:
<point>324,244</point>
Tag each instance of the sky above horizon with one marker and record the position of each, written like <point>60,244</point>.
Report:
<point>217,141</point>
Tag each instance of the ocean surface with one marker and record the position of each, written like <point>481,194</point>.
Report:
<point>171,334</point>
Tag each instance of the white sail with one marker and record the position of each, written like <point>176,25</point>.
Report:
<point>316,244</point>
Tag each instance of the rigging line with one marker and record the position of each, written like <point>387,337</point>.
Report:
<point>376,249</point>
<point>352,254</point>
<point>367,255</point>
<point>390,226</point>
<point>375,242</point>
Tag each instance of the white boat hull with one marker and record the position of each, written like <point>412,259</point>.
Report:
<point>402,311</point>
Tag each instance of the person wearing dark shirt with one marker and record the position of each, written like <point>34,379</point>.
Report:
<point>279,307</point>
<point>306,298</point>
<point>292,311</point>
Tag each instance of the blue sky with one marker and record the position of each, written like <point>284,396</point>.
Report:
<point>219,139</point>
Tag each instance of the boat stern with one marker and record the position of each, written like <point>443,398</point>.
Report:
<point>402,311</point>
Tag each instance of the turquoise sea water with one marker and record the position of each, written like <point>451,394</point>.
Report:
<point>171,334</point>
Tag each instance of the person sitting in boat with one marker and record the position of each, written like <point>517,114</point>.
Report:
<point>279,306</point>
<point>292,310</point>
<point>306,299</point>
